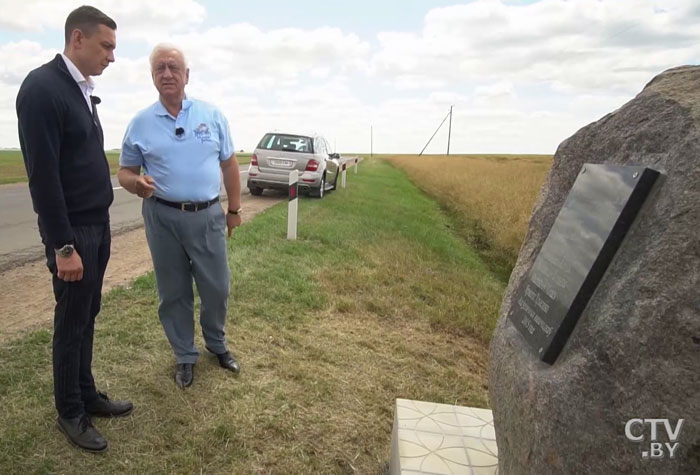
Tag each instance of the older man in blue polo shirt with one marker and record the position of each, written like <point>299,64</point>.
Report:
<point>182,143</point>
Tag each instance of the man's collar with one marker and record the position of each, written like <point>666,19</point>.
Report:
<point>160,109</point>
<point>77,75</point>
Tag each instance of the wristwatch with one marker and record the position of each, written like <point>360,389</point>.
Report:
<point>66,251</point>
<point>238,211</point>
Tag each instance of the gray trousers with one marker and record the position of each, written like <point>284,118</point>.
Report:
<point>187,244</point>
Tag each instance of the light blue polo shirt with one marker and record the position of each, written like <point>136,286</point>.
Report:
<point>185,167</point>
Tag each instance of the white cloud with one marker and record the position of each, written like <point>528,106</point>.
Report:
<point>134,19</point>
<point>18,58</point>
<point>446,99</point>
<point>33,15</point>
<point>520,78</point>
<point>577,44</point>
<point>250,57</point>
<point>501,94</point>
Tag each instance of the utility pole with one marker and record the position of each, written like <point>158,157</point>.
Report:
<point>436,131</point>
<point>449,132</point>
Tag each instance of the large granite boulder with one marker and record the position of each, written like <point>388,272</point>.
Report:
<point>635,351</point>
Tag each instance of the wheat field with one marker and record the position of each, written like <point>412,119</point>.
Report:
<point>494,194</point>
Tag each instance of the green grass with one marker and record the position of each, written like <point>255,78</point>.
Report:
<point>490,197</point>
<point>12,166</point>
<point>113,160</point>
<point>377,299</point>
<point>243,158</point>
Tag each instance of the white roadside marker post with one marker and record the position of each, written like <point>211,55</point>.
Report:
<point>343,175</point>
<point>355,165</point>
<point>293,207</point>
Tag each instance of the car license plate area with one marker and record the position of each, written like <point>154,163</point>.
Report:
<point>281,163</point>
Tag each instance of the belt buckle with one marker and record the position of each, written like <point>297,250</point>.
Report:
<point>184,205</point>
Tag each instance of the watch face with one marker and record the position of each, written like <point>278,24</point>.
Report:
<point>65,251</point>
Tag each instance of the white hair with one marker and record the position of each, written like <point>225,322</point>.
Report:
<point>161,47</point>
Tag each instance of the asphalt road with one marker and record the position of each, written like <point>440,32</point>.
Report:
<point>19,238</point>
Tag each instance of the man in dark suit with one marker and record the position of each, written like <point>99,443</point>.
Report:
<point>69,181</point>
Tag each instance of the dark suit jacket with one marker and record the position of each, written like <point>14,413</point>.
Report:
<point>63,148</point>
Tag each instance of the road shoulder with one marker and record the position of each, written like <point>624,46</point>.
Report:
<point>27,300</point>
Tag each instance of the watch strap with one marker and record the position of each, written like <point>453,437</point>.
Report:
<point>62,244</point>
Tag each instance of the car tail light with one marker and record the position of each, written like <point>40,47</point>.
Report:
<point>312,166</point>
<point>254,160</point>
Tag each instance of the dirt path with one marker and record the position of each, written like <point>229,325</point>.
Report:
<point>27,300</point>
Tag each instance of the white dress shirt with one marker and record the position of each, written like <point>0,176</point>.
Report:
<point>86,85</point>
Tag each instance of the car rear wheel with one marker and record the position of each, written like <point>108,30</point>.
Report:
<point>255,190</point>
<point>318,192</point>
<point>335,182</point>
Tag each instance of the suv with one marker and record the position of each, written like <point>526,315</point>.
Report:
<point>278,154</point>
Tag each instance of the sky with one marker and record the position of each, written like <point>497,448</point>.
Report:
<point>521,75</point>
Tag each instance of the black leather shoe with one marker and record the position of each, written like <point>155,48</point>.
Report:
<point>227,361</point>
<point>184,375</point>
<point>80,432</point>
<point>104,407</point>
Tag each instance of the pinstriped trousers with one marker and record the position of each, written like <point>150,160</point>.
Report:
<point>77,305</point>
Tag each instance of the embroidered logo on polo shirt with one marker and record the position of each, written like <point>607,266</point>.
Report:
<point>202,132</point>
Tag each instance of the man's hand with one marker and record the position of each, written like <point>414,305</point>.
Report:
<point>232,183</point>
<point>70,268</point>
<point>145,186</point>
<point>232,221</point>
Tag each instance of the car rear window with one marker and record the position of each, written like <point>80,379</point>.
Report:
<point>287,143</point>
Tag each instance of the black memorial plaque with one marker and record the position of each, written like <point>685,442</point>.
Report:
<point>590,227</point>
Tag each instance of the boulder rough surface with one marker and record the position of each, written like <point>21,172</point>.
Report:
<point>635,351</point>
